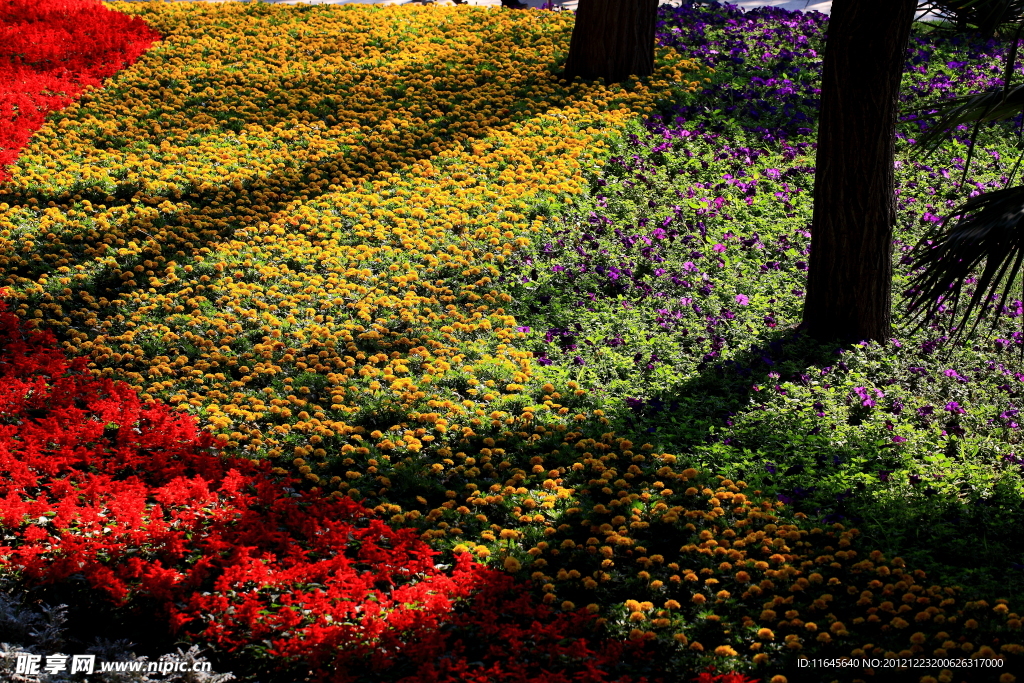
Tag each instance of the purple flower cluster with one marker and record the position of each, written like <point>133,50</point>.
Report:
<point>776,48</point>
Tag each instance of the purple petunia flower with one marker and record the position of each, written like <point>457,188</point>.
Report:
<point>742,299</point>
<point>954,407</point>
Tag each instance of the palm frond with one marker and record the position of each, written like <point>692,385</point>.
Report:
<point>997,105</point>
<point>984,16</point>
<point>986,233</point>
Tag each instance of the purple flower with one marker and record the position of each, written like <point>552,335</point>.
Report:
<point>898,439</point>
<point>954,407</point>
<point>719,248</point>
<point>865,397</point>
<point>742,299</point>
<point>557,269</point>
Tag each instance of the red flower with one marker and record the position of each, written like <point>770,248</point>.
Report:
<point>50,50</point>
<point>135,499</point>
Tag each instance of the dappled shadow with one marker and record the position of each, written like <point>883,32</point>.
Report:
<point>212,151</point>
<point>732,418</point>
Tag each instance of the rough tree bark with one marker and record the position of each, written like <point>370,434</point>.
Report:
<point>849,279</point>
<point>612,39</point>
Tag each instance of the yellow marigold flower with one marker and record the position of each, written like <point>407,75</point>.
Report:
<point>725,651</point>
<point>671,604</point>
<point>482,551</point>
<point>680,638</point>
<point>760,658</point>
<point>765,634</point>
<point>696,646</point>
<point>779,679</point>
<point>568,606</point>
<point>698,599</point>
<point>1007,678</point>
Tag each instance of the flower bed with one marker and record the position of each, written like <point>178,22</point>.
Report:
<point>368,248</point>
<point>50,51</point>
<point>137,502</point>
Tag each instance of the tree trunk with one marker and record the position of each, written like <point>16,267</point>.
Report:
<point>612,39</point>
<point>849,281</point>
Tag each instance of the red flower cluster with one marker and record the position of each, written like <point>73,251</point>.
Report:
<point>50,50</point>
<point>135,499</point>
<point>709,677</point>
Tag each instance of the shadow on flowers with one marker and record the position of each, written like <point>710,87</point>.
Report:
<point>868,436</point>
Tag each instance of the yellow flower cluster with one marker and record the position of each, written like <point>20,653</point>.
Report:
<point>223,227</point>
<point>742,580</point>
<point>293,222</point>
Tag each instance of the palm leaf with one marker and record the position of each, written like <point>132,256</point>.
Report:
<point>986,233</point>
<point>997,105</point>
<point>984,16</point>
